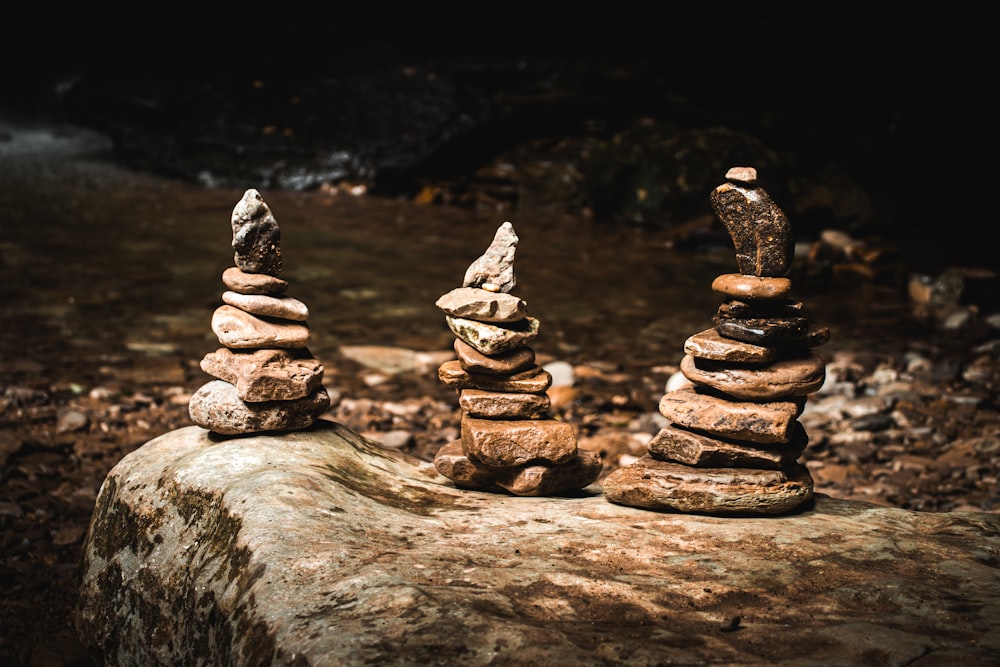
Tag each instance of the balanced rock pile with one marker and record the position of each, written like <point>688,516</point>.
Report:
<point>734,440</point>
<point>508,443</point>
<point>267,378</point>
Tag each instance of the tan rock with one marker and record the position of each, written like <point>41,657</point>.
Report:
<point>679,445</point>
<point>329,549</point>
<point>475,303</point>
<point>530,381</point>
<point>252,283</point>
<point>491,338</point>
<point>503,405</point>
<point>266,374</point>
<point>764,422</point>
<point>239,329</point>
<point>265,305</point>
<point>514,442</point>
<point>742,286</point>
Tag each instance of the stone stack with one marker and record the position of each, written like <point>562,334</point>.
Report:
<point>508,443</point>
<point>267,378</point>
<point>734,439</point>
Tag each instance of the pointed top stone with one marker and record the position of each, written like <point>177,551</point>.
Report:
<point>256,236</point>
<point>494,270</point>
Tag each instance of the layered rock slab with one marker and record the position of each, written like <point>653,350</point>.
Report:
<point>320,547</point>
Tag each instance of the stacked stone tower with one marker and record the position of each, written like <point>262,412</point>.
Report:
<point>508,443</point>
<point>267,380</point>
<point>734,439</point>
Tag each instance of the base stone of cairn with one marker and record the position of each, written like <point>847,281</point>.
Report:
<point>734,439</point>
<point>267,380</point>
<point>508,443</point>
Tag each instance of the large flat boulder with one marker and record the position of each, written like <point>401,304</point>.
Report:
<point>319,547</point>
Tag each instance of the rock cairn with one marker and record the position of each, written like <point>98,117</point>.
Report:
<point>267,378</point>
<point>508,443</point>
<point>734,439</point>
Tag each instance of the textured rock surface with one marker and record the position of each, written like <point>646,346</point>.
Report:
<point>320,547</point>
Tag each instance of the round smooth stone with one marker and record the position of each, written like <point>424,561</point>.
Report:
<point>773,381</point>
<point>740,286</point>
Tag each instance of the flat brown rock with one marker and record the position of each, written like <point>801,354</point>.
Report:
<point>660,485</point>
<point>239,329</point>
<point>505,363</point>
<point>475,303</point>
<point>503,405</point>
<point>266,374</point>
<point>533,380</point>
<point>759,422</point>
<point>266,305</point>
<point>708,344</point>
<point>252,283</point>
<point>704,451</point>
<point>772,381</point>
<point>506,442</point>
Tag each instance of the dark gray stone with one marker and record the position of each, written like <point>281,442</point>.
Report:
<point>760,230</point>
<point>256,236</point>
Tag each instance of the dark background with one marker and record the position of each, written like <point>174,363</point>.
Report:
<point>895,95</point>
